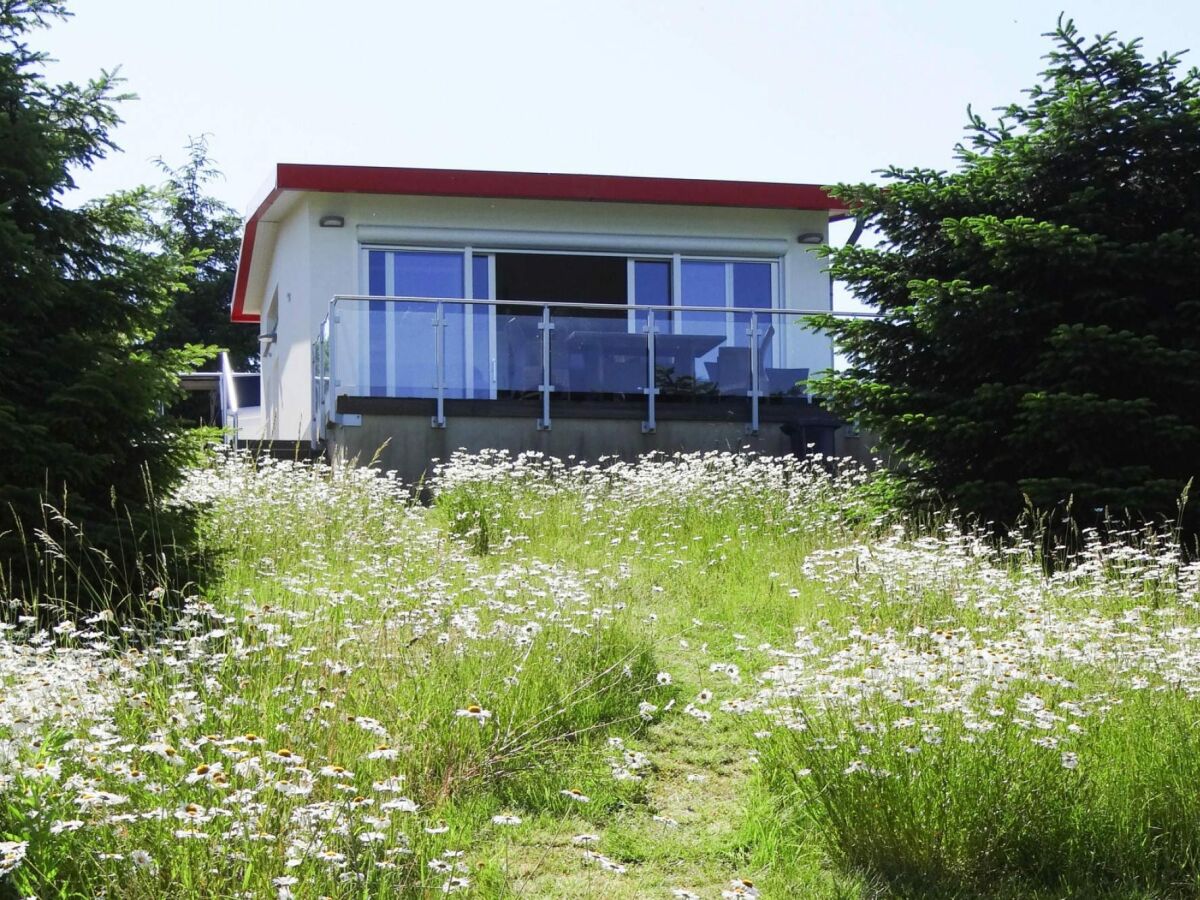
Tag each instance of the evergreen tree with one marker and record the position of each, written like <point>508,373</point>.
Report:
<point>81,293</point>
<point>199,225</point>
<point>1040,307</point>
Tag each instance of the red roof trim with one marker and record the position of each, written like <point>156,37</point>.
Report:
<point>245,255</point>
<point>540,186</point>
<point>520,186</point>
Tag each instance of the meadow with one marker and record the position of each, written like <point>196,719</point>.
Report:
<point>698,676</point>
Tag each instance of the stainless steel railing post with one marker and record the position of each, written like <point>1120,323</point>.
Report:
<point>752,332</point>
<point>439,366</point>
<point>545,327</point>
<point>651,424</point>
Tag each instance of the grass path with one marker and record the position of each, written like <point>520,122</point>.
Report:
<point>699,822</point>
<point>699,825</point>
<point>685,832</point>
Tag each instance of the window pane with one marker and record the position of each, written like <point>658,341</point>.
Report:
<point>652,282</point>
<point>376,325</point>
<point>652,287</point>
<point>428,274</point>
<point>752,285</point>
<point>703,285</point>
<point>563,278</point>
<point>479,278</point>
<point>376,266</point>
<point>481,318</point>
<point>751,290</point>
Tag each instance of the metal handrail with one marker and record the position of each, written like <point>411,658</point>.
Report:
<point>229,399</point>
<point>543,309</point>
<point>572,304</point>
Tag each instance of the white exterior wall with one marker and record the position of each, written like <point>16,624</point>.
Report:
<point>311,264</point>
<point>286,364</point>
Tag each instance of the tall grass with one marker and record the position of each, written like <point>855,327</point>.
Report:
<point>378,698</point>
<point>983,728</point>
<point>974,812</point>
<point>354,681</point>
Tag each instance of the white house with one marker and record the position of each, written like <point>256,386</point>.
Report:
<point>432,309</point>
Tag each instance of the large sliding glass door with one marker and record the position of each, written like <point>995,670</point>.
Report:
<point>492,351</point>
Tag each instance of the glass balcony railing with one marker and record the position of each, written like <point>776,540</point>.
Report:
<point>553,355</point>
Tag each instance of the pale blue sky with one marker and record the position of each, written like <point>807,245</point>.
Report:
<point>756,89</point>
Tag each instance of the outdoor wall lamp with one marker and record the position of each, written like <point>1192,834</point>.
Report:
<point>331,221</point>
<point>810,237</point>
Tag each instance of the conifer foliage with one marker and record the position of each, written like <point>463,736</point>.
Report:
<point>81,291</point>
<point>1039,334</point>
<point>199,226</point>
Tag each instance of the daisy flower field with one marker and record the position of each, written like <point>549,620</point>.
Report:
<point>701,675</point>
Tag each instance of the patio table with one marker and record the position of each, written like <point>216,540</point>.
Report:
<point>684,349</point>
<point>607,352</point>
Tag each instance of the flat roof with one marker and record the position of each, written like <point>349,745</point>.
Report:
<point>293,177</point>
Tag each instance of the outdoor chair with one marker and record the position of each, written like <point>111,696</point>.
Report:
<point>733,367</point>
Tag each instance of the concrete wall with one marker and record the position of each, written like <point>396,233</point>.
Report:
<point>310,264</point>
<point>408,445</point>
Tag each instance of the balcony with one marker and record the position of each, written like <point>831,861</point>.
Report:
<point>441,359</point>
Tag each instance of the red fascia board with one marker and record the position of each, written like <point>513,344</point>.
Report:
<point>245,256</point>
<point>519,186</point>
<point>541,186</point>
